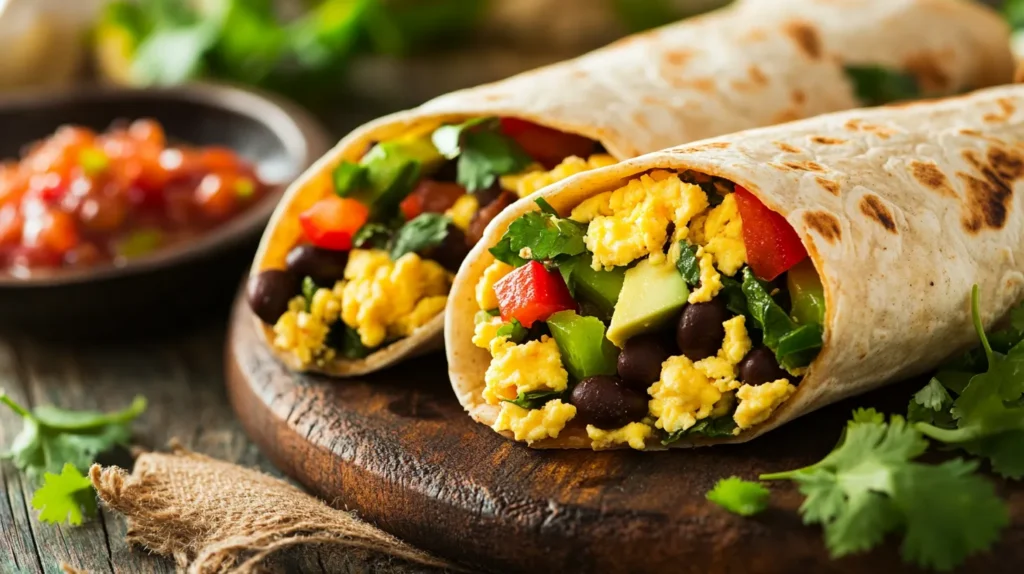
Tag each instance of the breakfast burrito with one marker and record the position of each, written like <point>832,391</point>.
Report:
<point>354,271</point>
<point>711,292</point>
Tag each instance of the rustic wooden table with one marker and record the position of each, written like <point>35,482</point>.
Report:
<point>182,377</point>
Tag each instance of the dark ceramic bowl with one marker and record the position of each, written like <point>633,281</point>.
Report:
<point>176,286</point>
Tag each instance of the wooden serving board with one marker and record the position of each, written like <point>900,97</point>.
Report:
<point>398,448</point>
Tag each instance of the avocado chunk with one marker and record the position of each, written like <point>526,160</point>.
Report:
<point>585,351</point>
<point>600,288</point>
<point>806,294</point>
<point>652,295</point>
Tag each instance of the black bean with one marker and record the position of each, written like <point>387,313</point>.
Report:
<point>451,251</point>
<point>641,359</point>
<point>700,332</point>
<point>760,367</point>
<point>269,292</point>
<point>485,197</point>
<point>607,403</point>
<point>486,214</point>
<point>324,266</point>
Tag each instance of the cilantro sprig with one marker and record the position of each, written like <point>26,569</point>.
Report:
<point>543,235</point>
<point>870,486</point>
<point>483,152</point>
<point>534,399</point>
<point>57,444</point>
<point>876,85</point>
<point>739,496</point>
<point>987,418</point>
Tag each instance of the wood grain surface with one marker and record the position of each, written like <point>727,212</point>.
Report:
<point>182,376</point>
<point>397,448</point>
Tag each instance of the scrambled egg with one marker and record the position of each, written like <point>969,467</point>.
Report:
<point>536,178</point>
<point>634,434</point>
<point>391,298</point>
<point>682,396</point>
<point>632,221</point>
<point>304,333</point>
<point>757,403</point>
<point>532,366</point>
<point>536,424</point>
<point>722,367</point>
<point>485,296</point>
<point>486,331</point>
<point>723,236</point>
<point>710,280</point>
<point>463,210</point>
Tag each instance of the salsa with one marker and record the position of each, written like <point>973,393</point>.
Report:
<point>82,199</point>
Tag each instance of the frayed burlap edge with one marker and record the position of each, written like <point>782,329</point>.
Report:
<point>215,517</point>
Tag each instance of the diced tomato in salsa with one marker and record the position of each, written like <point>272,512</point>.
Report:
<point>773,246</point>
<point>545,145</point>
<point>333,221</point>
<point>532,293</point>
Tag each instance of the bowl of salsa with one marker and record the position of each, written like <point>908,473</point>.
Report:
<point>120,204</point>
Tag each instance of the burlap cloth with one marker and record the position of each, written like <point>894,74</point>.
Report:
<point>212,516</point>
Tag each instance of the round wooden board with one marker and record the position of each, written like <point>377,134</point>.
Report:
<point>398,448</point>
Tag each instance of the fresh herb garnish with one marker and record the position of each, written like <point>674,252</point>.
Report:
<point>989,411</point>
<point>931,405</point>
<point>346,341</point>
<point>373,235</point>
<point>52,437</point>
<point>515,331</point>
<point>309,288</point>
<point>545,236</point>
<point>424,231</point>
<point>718,427</point>
<point>870,486</point>
<point>534,399</point>
<point>739,496</point>
<point>483,152</point>
<point>688,264</point>
<point>876,85</point>
<point>545,207</point>
<point>794,345</point>
<point>67,496</point>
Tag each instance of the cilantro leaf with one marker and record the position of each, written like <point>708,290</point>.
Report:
<point>545,236</point>
<point>534,399</point>
<point>347,342</point>
<point>739,496</point>
<point>309,288</point>
<point>794,345</point>
<point>67,496</point>
<point>931,405</point>
<point>52,437</point>
<point>869,486</point>
<point>483,152</point>
<point>424,231</point>
<point>514,331</point>
<point>989,413</point>
<point>876,85</point>
<point>374,235</point>
<point>688,264</point>
<point>545,207</point>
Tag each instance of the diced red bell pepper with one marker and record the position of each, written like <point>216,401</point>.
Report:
<point>532,293</point>
<point>333,221</point>
<point>431,197</point>
<point>772,244</point>
<point>545,145</point>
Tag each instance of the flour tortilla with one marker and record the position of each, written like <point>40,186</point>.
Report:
<point>753,64</point>
<point>902,209</point>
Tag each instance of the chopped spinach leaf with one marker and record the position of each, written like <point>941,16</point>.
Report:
<point>346,342</point>
<point>688,264</point>
<point>794,345</point>
<point>546,237</point>
<point>425,231</point>
<point>514,331</point>
<point>876,85</point>
<point>735,300</point>
<point>717,427</point>
<point>535,399</point>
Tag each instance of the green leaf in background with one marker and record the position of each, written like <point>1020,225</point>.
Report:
<point>173,55</point>
<point>67,496</point>
<point>739,496</point>
<point>876,85</point>
<point>327,34</point>
<point>642,15</point>
<point>1014,12</point>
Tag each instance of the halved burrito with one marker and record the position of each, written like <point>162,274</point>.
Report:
<point>714,291</point>
<point>354,271</point>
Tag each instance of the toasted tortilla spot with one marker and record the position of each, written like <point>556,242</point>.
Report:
<point>988,196</point>
<point>858,125</point>
<point>872,206</point>
<point>1006,109</point>
<point>825,224</point>
<point>799,97</point>
<point>825,140</point>
<point>756,75</point>
<point>704,147</point>
<point>930,175</point>
<point>678,57</point>
<point>926,67</point>
<point>698,84</point>
<point>787,147</point>
<point>653,101</point>
<point>806,38</point>
<point>641,121</point>
<point>755,35</point>
<point>804,166</point>
<point>786,115</point>
<point>829,185</point>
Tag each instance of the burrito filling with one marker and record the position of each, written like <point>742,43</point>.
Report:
<point>677,305</point>
<point>376,255</point>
